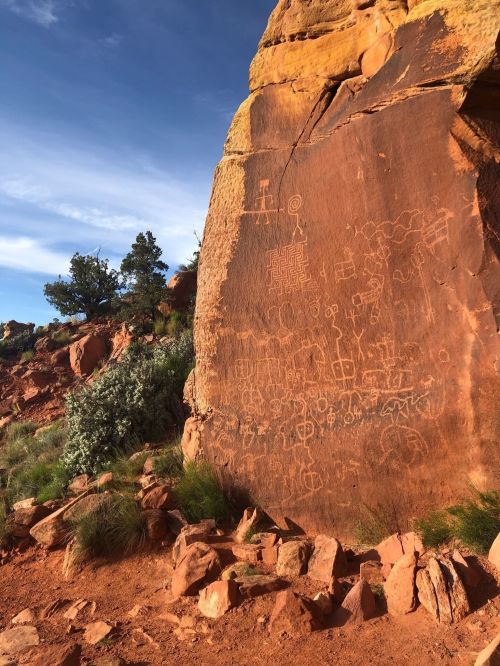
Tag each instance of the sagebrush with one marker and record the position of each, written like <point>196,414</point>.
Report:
<point>133,402</point>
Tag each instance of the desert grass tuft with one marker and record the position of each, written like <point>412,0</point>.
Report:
<point>116,528</point>
<point>200,494</point>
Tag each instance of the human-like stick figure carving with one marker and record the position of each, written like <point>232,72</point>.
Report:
<point>294,205</point>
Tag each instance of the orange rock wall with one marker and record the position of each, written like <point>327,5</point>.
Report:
<point>347,348</point>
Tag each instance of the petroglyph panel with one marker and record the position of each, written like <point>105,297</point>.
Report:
<point>343,362</point>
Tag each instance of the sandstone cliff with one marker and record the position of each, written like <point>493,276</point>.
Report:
<point>345,327</point>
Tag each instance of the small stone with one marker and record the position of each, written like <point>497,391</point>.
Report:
<point>293,558</point>
<point>247,552</point>
<point>26,616</point>
<point>327,560</point>
<point>76,608</point>
<point>95,632</point>
<point>18,640</point>
<point>399,587</point>
<point>218,598</point>
<point>324,603</point>
<point>358,606</point>
<point>255,586</point>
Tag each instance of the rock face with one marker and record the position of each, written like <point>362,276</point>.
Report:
<point>345,329</point>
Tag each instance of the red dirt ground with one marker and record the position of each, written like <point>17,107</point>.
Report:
<point>33,580</point>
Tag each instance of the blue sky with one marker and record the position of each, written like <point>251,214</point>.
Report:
<point>113,115</point>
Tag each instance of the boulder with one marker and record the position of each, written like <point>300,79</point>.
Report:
<point>494,553</point>
<point>39,379</point>
<point>293,557</point>
<point>399,587</point>
<point>264,539</point>
<point>235,570</point>
<point>17,640</point>
<point>60,358</point>
<point>441,590</point>
<point>467,573</point>
<point>247,552</point>
<point>190,534</point>
<point>12,328</point>
<point>294,615</point>
<point>490,656</point>
<point>85,506</point>
<point>156,524</point>
<point>336,278</point>
<point>199,564</point>
<point>31,516</point>
<point>161,497</point>
<point>52,531</point>
<point>359,605</point>
<point>105,480</point>
<point>176,521</point>
<point>247,524</point>
<point>85,354</point>
<point>218,598</point>
<point>270,555</point>
<point>25,504</point>
<point>328,559</point>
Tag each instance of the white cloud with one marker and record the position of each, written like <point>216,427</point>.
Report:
<point>43,12</point>
<point>28,254</point>
<point>81,196</point>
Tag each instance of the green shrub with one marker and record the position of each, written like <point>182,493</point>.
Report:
<point>125,469</point>
<point>117,527</point>
<point>476,522</point>
<point>200,494</point>
<point>62,338</point>
<point>160,326</point>
<point>169,463</point>
<point>435,529</point>
<point>178,322</point>
<point>34,462</point>
<point>133,402</point>
<point>27,355</point>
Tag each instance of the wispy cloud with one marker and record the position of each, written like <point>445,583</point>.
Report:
<point>43,12</point>
<point>112,41</point>
<point>28,254</point>
<point>80,196</point>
